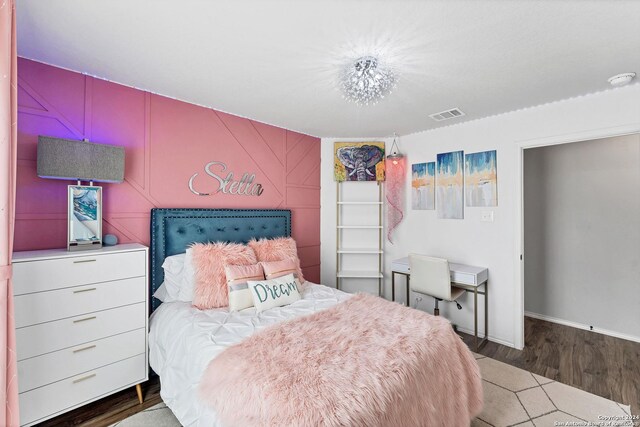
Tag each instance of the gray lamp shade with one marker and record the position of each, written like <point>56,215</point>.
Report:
<point>79,160</point>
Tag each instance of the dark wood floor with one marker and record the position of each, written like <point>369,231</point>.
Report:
<point>111,409</point>
<point>602,365</point>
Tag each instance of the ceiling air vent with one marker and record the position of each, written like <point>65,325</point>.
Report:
<point>446,115</point>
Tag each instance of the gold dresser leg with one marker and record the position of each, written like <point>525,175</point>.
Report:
<point>139,390</point>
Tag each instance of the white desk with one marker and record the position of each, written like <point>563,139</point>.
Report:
<point>467,277</point>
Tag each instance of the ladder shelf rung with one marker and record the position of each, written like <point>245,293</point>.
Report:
<point>360,274</point>
<point>359,203</point>
<point>359,251</point>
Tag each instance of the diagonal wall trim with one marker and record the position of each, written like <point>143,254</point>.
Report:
<point>144,193</point>
<point>297,141</point>
<point>314,172</point>
<point>248,153</point>
<point>36,112</point>
<point>266,143</point>
<point>298,163</point>
<point>121,229</point>
<point>25,102</point>
<point>45,104</point>
<point>260,148</point>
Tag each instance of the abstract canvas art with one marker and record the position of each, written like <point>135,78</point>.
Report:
<point>85,213</point>
<point>481,179</point>
<point>423,180</point>
<point>450,185</point>
<point>358,161</point>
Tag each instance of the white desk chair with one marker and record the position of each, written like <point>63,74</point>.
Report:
<point>431,276</point>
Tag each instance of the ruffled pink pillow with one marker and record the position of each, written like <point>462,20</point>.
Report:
<point>209,260</point>
<point>278,249</point>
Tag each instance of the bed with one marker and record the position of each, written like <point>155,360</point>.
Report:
<point>184,341</point>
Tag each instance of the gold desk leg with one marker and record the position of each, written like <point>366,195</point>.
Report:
<point>139,391</point>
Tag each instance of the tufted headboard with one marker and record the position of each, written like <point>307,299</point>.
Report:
<point>173,230</point>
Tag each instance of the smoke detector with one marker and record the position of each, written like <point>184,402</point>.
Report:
<point>621,79</point>
<point>447,115</point>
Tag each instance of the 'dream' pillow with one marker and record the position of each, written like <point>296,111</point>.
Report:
<point>274,293</point>
<point>277,249</point>
<point>237,278</point>
<point>209,260</point>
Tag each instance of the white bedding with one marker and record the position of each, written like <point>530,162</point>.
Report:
<point>183,339</point>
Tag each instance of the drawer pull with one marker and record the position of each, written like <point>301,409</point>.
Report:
<point>84,320</point>
<point>84,290</point>
<point>84,378</point>
<point>84,260</point>
<point>84,348</point>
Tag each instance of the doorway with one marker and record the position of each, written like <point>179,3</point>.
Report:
<point>581,234</point>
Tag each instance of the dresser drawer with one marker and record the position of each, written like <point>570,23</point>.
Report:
<point>58,397</point>
<point>48,274</point>
<point>31,309</point>
<point>51,367</point>
<point>52,336</point>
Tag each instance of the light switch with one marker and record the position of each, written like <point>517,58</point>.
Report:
<point>487,216</point>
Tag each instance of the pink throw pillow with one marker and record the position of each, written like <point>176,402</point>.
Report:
<point>275,269</point>
<point>209,260</point>
<point>237,278</point>
<point>278,249</point>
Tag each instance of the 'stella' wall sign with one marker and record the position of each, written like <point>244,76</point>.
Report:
<point>244,187</point>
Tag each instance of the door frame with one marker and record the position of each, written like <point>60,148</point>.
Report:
<point>632,128</point>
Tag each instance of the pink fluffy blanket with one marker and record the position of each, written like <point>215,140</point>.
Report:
<point>365,362</point>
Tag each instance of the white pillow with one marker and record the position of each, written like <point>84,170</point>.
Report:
<point>274,293</point>
<point>174,263</point>
<point>161,293</point>
<point>188,278</point>
<point>179,277</point>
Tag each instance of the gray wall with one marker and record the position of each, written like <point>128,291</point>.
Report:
<point>582,233</point>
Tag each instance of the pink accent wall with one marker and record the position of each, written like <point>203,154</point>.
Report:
<point>166,142</point>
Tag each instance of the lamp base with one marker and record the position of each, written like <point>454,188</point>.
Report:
<point>84,246</point>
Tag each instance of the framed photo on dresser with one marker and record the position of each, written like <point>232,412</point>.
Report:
<point>84,217</point>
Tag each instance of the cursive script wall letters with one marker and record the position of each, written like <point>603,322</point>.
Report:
<point>243,187</point>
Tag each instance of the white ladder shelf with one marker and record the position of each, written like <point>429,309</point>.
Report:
<point>344,249</point>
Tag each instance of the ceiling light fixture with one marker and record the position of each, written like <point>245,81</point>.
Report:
<point>367,81</point>
<point>621,79</point>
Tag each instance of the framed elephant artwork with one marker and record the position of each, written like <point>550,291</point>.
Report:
<point>358,161</point>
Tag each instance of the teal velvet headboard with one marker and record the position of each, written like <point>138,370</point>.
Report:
<point>173,230</point>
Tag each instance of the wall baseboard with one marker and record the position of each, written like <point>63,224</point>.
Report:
<point>492,339</point>
<point>582,326</point>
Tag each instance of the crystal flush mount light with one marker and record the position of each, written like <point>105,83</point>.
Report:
<point>366,81</point>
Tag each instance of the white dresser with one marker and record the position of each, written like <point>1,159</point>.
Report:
<point>81,326</point>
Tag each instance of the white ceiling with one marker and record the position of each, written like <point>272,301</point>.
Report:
<point>277,61</point>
